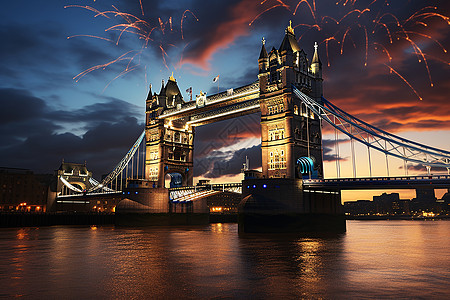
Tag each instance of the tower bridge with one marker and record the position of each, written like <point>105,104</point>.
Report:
<point>290,192</point>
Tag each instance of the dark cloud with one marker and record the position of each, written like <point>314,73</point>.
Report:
<point>423,169</point>
<point>34,138</point>
<point>249,76</point>
<point>328,148</point>
<point>226,133</point>
<point>219,164</point>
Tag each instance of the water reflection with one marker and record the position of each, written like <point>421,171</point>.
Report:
<point>380,260</point>
<point>291,266</point>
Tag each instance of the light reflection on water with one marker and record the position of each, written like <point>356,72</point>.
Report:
<point>379,259</point>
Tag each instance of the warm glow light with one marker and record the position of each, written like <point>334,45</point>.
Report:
<point>428,214</point>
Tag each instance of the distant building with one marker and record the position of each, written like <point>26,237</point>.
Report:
<point>444,203</point>
<point>22,190</point>
<point>384,204</point>
<point>425,201</point>
<point>72,177</point>
<point>225,202</point>
<point>75,178</point>
<point>359,208</point>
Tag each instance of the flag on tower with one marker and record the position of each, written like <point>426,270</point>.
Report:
<point>216,78</point>
<point>189,91</point>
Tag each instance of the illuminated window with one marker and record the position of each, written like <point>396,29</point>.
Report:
<point>177,137</point>
<point>276,134</point>
<point>153,174</point>
<point>278,161</point>
<point>153,155</point>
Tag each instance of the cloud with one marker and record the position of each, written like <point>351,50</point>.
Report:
<point>37,59</point>
<point>33,136</point>
<point>422,169</point>
<point>226,134</point>
<point>219,164</point>
<point>328,148</point>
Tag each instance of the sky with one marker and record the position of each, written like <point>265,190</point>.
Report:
<point>74,79</point>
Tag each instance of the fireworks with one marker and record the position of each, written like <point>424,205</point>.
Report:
<point>147,32</point>
<point>381,34</point>
<point>375,26</point>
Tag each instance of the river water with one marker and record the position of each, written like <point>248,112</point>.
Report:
<point>373,259</point>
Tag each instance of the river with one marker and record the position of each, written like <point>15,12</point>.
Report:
<point>373,259</point>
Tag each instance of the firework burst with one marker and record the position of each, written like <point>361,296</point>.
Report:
<point>369,25</point>
<point>149,32</point>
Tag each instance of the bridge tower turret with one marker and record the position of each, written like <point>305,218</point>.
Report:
<point>169,143</point>
<point>263,62</point>
<point>316,70</point>
<point>289,131</point>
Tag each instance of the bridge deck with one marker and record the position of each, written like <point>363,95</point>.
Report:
<point>220,106</point>
<point>407,182</point>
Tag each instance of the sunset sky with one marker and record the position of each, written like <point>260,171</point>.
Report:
<point>379,59</point>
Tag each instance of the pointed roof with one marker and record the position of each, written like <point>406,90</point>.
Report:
<point>149,96</point>
<point>163,90</point>
<point>263,53</point>
<point>289,42</point>
<point>172,88</point>
<point>69,167</point>
<point>316,58</point>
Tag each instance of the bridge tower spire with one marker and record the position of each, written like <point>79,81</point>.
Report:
<point>169,143</point>
<point>316,70</point>
<point>289,131</point>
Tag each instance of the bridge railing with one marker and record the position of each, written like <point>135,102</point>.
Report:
<point>178,192</point>
<point>375,179</point>
<point>191,105</point>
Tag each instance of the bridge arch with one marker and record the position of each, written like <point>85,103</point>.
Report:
<point>173,179</point>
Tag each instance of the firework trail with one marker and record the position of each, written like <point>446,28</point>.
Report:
<point>148,33</point>
<point>374,25</point>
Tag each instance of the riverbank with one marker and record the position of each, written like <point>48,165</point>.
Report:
<point>381,218</point>
<point>23,219</point>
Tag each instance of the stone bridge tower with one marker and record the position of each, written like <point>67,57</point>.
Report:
<point>291,137</point>
<point>169,143</point>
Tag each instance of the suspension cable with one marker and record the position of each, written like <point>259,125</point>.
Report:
<point>352,142</point>
<point>387,161</point>
<point>415,152</point>
<point>307,134</point>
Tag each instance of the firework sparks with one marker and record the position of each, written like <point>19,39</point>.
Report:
<point>135,26</point>
<point>403,78</point>
<point>182,19</point>
<point>375,26</point>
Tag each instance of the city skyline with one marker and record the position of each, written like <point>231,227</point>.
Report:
<point>49,116</point>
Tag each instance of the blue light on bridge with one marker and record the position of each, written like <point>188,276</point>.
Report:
<point>254,186</point>
<point>264,185</point>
